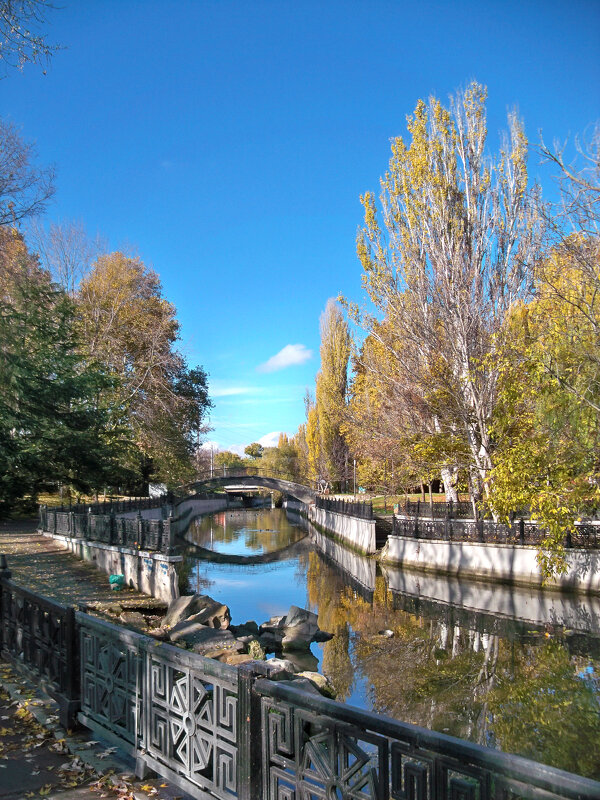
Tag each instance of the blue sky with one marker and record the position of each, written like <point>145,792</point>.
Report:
<point>228,144</point>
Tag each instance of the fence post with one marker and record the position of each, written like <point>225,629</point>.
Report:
<point>522,530</point>
<point>140,531</point>
<point>479,524</point>
<point>69,703</point>
<point>569,541</point>
<point>249,759</point>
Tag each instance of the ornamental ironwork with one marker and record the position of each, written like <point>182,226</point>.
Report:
<point>223,732</point>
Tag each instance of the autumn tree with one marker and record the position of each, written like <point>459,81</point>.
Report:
<point>228,460</point>
<point>254,450</point>
<point>281,461</point>
<point>453,252</point>
<point>328,451</point>
<point>546,423</point>
<point>53,427</point>
<point>65,250</point>
<point>128,326</point>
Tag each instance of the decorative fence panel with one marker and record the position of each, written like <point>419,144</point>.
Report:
<point>348,507</point>
<point>178,708</point>
<point>223,732</point>
<point>137,533</point>
<point>39,634</point>
<point>317,748</point>
<point>520,532</point>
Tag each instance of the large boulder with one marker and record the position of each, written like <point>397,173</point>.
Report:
<point>299,629</point>
<point>212,639</point>
<point>202,608</point>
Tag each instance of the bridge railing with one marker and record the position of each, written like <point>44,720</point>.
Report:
<point>219,731</point>
<point>244,472</point>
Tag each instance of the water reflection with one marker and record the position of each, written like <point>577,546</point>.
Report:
<point>510,668</point>
<point>245,532</point>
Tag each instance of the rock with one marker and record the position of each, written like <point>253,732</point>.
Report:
<point>320,682</point>
<point>300,616</point>
<point>236,658</point>
<point>387,633</point>
<point>249,630</point>
<point>159,633</point>
<point>269,640</point>
<point>302,660</point>
<point>201,607</point>
<point>187,628</point>
<point>220,652</point>
<point>282,666</point>
<point>212,639</point>
<point>251,626</point>
<point>322,636</point>
<point>178,609</point>
<point>115,609</point>
<point>299,629</point>
<point>215,615</point>
<point>299,637</point>
<point>133,618</point>
<point>274,622</point>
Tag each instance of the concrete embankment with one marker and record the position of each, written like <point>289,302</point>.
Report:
<point>153,573</point>
<point>505,563</point>
<point>356,533</point>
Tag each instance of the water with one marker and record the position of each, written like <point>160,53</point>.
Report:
<point>516,669</point>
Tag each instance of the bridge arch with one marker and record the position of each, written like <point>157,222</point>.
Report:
<point>296,490</point>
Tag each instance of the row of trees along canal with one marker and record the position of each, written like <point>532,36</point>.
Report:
<point>94,390</point>
<point>479,365</point>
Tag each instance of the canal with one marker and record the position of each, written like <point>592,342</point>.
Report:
<point>514,669</point>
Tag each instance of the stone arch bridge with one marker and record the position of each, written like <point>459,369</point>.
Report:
<point>288,488</point>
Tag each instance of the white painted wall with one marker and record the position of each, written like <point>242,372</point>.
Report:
<point>509,563</point>
<point>357,533</point>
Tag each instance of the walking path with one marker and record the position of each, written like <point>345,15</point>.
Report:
<point>37,757</point>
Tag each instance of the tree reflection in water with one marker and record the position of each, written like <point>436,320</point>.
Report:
<point>525,693</point>
<point>514,669</point>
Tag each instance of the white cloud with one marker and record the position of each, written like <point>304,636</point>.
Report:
<point>210,446</point>
<point>289,356</point>
<point>269,439</point>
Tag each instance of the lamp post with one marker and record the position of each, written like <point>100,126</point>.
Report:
<point>355,479</point>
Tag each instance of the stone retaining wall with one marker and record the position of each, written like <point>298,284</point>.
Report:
<point>514,564</point>
<point>152,573</point>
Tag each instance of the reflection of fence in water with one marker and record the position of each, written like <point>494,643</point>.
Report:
<point>218,731</point>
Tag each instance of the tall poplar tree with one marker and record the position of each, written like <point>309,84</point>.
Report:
<point>328,451</point>
<point>452,253</point>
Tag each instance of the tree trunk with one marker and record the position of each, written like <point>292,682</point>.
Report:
<point>449,476</point>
